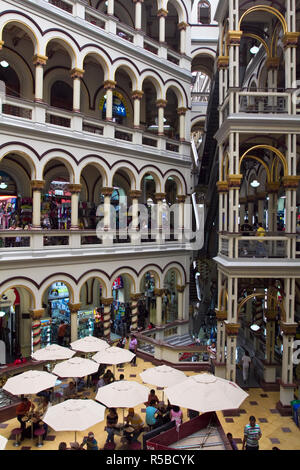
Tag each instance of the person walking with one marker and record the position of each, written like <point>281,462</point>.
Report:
<point>246,361</point>
<point>61,332</point>
<point>252,434</point>
<point>111,422</point>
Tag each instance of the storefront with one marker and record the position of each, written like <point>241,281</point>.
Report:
<point>9,322</point>
<point>14,210</point>
<point>58,310</point>
<point>56,206</point>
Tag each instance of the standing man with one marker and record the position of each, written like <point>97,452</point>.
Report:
<point>252,434</point>
<point>61,332</point>
<point>22,410</point>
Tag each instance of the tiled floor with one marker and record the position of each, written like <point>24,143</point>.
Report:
<point>276,430</point>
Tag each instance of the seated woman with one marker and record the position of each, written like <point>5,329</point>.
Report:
<point>70,391</point>
<point>176,415</point>
<point>152,397</point>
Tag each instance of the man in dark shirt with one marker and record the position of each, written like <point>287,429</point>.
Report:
<point>246,228</point>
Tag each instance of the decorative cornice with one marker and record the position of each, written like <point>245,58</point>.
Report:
<point>135,297</point>
<point>221,315</point>
<point>107,302</point>
<point>162,12</point>
<point>180,289</point>
<point>272,187</point>
<point>223,62</point>
<point>135,194</point>
<point>181,111</point>
<point>137,94</point>
<point>272,63</point>
<point>158,292</point>
<point>159,196</point>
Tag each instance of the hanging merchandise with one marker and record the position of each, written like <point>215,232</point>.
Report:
<point>26,211</point>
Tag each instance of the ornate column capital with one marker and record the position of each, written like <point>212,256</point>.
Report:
<point>290,182</point>
<point>272,187</point>
<point>222,186</point>
<point>232,329</point>
<point>107,302</point>
<point>36,314</point>
<point>180,289</point>
<point>234,181</point>
<point>158,292</point>
<point>37,185</point>
<point>137,94</point>
<point>234,37</point>
<point>107,191</point>
<point>221,315</point>
<point>135,194</point>
<point>261,196</point>
<point>109,84</point>
<point>289,329</point>
<point>135,297</point>
<point>272,63</point>
<point>162,12</point>
<point>181,198</point>
<point>223,62</point>
<point>161,103</point>
<point>290,39</point>
<point>77,73</point>
<point>138,1</point>
<point>181,111</point>
<point>74,307</point>
<point>182,26</point>
<point>159,196</point>
<point>75,188</point>
<point>39,59</point>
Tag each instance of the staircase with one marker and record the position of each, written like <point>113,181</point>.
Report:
<point>176,340</point>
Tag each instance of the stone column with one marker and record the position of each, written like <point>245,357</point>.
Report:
<point>75,190</point>
<point>110,7</point>
<point>106,323</point>
<point>74,320</point>
<point>181,113</point>
<point>158,294</point>
<point>222,187</point>
<point>232,330</point>
<point>135,235</point>
<point>161,104</point>
<point>138,14</point>
<point>270,363</point>
<point>182,29</point>
<point>180,290</point>
<point>272,64</point>
<point>108,230</point>
<point>290,184</point>
<point>250,203</point>
<point>36,316</point>
<point>39,61</point>
<point>261,206</point>
<point>159,201</point>
<point>37,187</point>
<point>137,95</point>
<point>287,384</point>
<point>180,229</point>
<point>162,25</point>
<point>234,184</point>
<point>76,75</point>
<point>220,362</point>
<point>233,40</point>
<point>109,86</point>
<point>272,190</point>
<point>223,65</point>
<point>134,311</point>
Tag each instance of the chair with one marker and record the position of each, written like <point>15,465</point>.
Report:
<point>16,433</point>
<point>39,434</point>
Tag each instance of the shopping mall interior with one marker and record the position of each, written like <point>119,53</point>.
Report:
<point>149,165</point>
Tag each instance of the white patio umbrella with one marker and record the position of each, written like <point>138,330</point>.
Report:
<point>89,344</point>
<point>75,367</point>
<point>205,392</point>
<point>30,383</point>
<point>163,376</point>
<point>3,442</point>
<point>74,415</point>
<point>122,394</point>
<point>53,352</point>
<point>113,355</point>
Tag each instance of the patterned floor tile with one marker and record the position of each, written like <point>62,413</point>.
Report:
<point>3,425</point>
<point>229,420</point>
<point>242,411</point>
<point>132,375</point>
<point>286,430</point>
<point>262,420</point>
<point>264,395</point>
<point>274,440</point>
<point>253,403</point>
<point>25,448</point>
<point>50,438</point>
<point>274,411</point>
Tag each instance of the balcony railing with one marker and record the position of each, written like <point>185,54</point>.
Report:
<point>31,112</point>
<point>62,5</point>
<point>270,246</point>
<point>264,102</point>
<point>199,97</point>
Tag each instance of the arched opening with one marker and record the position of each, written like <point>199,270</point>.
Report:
<point>149,119</point>
<point>61,95</point>
<point>91,313</point>
<point>170,296</point>
<point>171,124</point>
<point>56,300</point>
<point>150,21</point>
<point>120,202</point>
<point>10,78</point>
<point>204,12</point>
<point>120,308</point>
<point>172,31</point>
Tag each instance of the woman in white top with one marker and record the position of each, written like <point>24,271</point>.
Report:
<point>246,360</point>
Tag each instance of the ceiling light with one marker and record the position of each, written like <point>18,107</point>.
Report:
<point>4,64</point>
<point>2,314</point>
<point>255,184</point>
<point>3,185</point>
<point>254,50</point>
<point>255,327</point>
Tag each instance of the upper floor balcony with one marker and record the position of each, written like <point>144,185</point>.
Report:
<point>141,25</point>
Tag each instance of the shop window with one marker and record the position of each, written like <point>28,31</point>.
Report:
<point>120,108</point>
<point>204,12</point>
<point>62,95</point>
